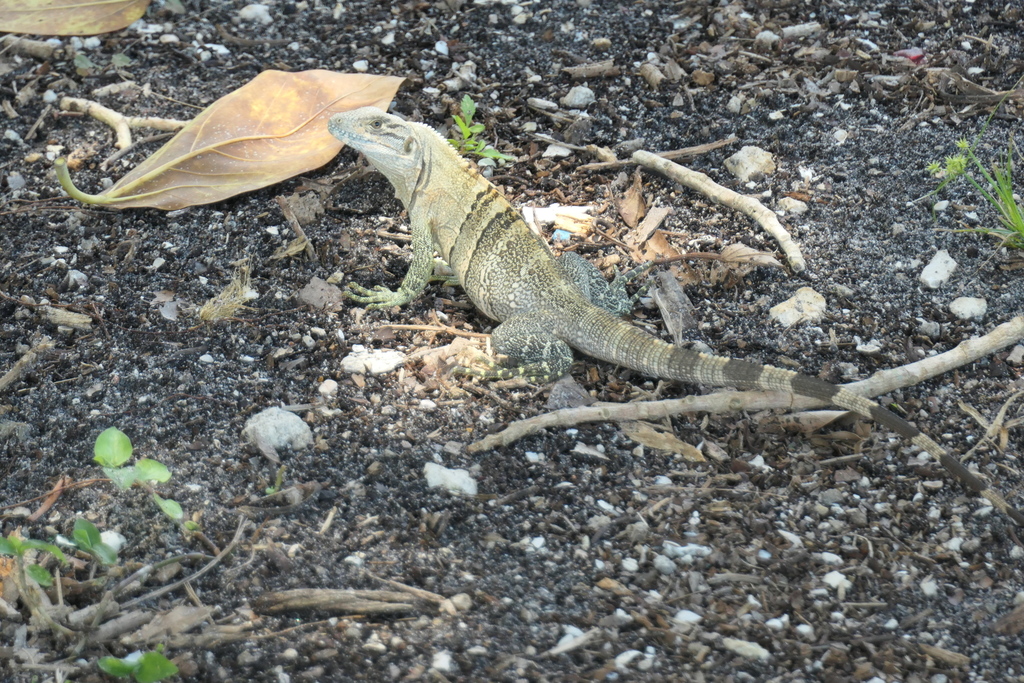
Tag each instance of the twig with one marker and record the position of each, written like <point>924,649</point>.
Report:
<point>447,329</point>
<point>336,601</point>
<point>881,382</point>
<point>36,49</point>
<point>221,556</point>
<point>293,223</point>
<point>121,124</point>
<point>231,39</point>
<point>734,200</point>
<point>137,143</point>
<point>25,363</point>
<point>684,153</point>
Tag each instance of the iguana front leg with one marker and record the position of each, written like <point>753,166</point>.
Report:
<point>611,296</point>
<point>420,272</point>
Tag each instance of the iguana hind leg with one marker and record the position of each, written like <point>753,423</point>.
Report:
<point>611,296</point>
<point>533,352</point>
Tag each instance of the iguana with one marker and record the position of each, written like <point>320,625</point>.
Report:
<point>547,305</point>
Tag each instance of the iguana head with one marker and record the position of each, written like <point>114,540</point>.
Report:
<point>392,145</point>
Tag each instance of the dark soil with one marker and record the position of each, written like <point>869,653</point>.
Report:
<point>565,535</point>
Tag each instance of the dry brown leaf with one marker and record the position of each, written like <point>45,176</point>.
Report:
<point>631,206</point>
<point>68,17</point>
<point>810,421</point>
<point>1010,623</point>
<point>267,131</point>
<point>657,247</point>
<point>643,433</point>
<point>741,253</point>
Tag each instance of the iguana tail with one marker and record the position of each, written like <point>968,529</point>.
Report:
<point>624,344</point>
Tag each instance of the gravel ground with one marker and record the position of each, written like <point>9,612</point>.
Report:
<point>586,554</point>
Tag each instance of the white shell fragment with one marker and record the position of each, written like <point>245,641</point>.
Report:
<point>456,481</point>
<point>373,361</point>
<point>938,270</point>
<point>750,163</point>
<point>806,306</point>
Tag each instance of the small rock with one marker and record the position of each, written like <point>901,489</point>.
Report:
<point>257,13</point>
<point>374,361</point>
<point>930,328</point>
<point>630,565</point>
<point>685,616</point>
<point>938,270</point>
<point>793,206</point>
<point>766,40</point>
<point>579,97</point>
<point>454,480</point>
<point>664,565</point>
<point>837,580</point>
<point>328,388</point>
<point>968,308</point>
<point>687,553</point>
<point>750,163</point>
<point>1016,356</point>
<point>555,151</point>
<point>462,601</point>
<point>441,47</point>
<point>278,429</point>
<point>543,105</point>
<point>871,348</point>
<point>622,661</point>
<point>442,661</point>
<point>362,66</point>
<point>806,306</point>
<point>929,587</point>
<point>745,648</point>
<point>806,631</point>
<point>601,44</point>
<point>15,181</point>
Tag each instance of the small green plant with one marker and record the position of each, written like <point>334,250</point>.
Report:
<point>87,538</point>
<point>469,141</point>
<point>30,593</point>
<point>144,667</point>
<point>17,547</point>
<point>113,449</point>
<point>995,186</point>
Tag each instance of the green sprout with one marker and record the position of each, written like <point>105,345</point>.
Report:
<point>144,667</point>
<point>30,592</point>
<point>87,538</point>
<point>995,185</point>
<point>113,449</point>
<point>469,141</point>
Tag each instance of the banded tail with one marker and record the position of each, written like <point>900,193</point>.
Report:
<point>624,344</point>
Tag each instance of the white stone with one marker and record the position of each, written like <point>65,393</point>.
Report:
<point>766,39</point>
<point>454,480</point>
<point>374,361</point>
<point>793,206</point>
<point>837,580</point>
<point>830,558</point>
<point>929,587</point>
<point>578,97</point>
<point>1016,355</point>
<point>806,306</point>
<point>113,539</point>
<point>278,429</point>
<point>442,661</point>
<point>969,308</point>
<point>938,270</point>
<point>664,565</point>
<point>630,565</point>
<point>362,66</point>
<point>688,553</point>
<point>622,660</point>
<point>806,631</point>
<point>745,648</point>
<point>440,47</point>
<point>328,388</point>
<point>750,162</point>
<point>685,616</point>
<point>556,151</point>
<point>257,13</point>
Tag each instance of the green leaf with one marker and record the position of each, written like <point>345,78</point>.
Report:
<point>10,546</point>
<point>477,128</point>
<point>45,547</point>
<point>192,526</point>
<point>120,60</point>
<point>463,128</point>
<point>153,667</point>
<point>124,477</point>
<point>86,534</point>
<point>113,448</point>
<point>105,554</point>
<point>83,62</point>
<point>116,667</point>
<point>39,575</point>
<point>468,107</point>
<point>151,470</point>
<point>171,508</point>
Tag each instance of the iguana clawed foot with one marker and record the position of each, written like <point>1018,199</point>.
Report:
<point>378,297</point>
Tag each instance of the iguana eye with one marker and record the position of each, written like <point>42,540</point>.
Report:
<point>377,124</point>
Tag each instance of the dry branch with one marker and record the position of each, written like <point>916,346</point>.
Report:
<point>333,601</point>
<point>121,124</point>
<point>765,217</point>
<point>733,401</point>
<point>684,153</point>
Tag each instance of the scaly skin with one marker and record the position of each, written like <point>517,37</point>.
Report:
<point>548,306</point>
